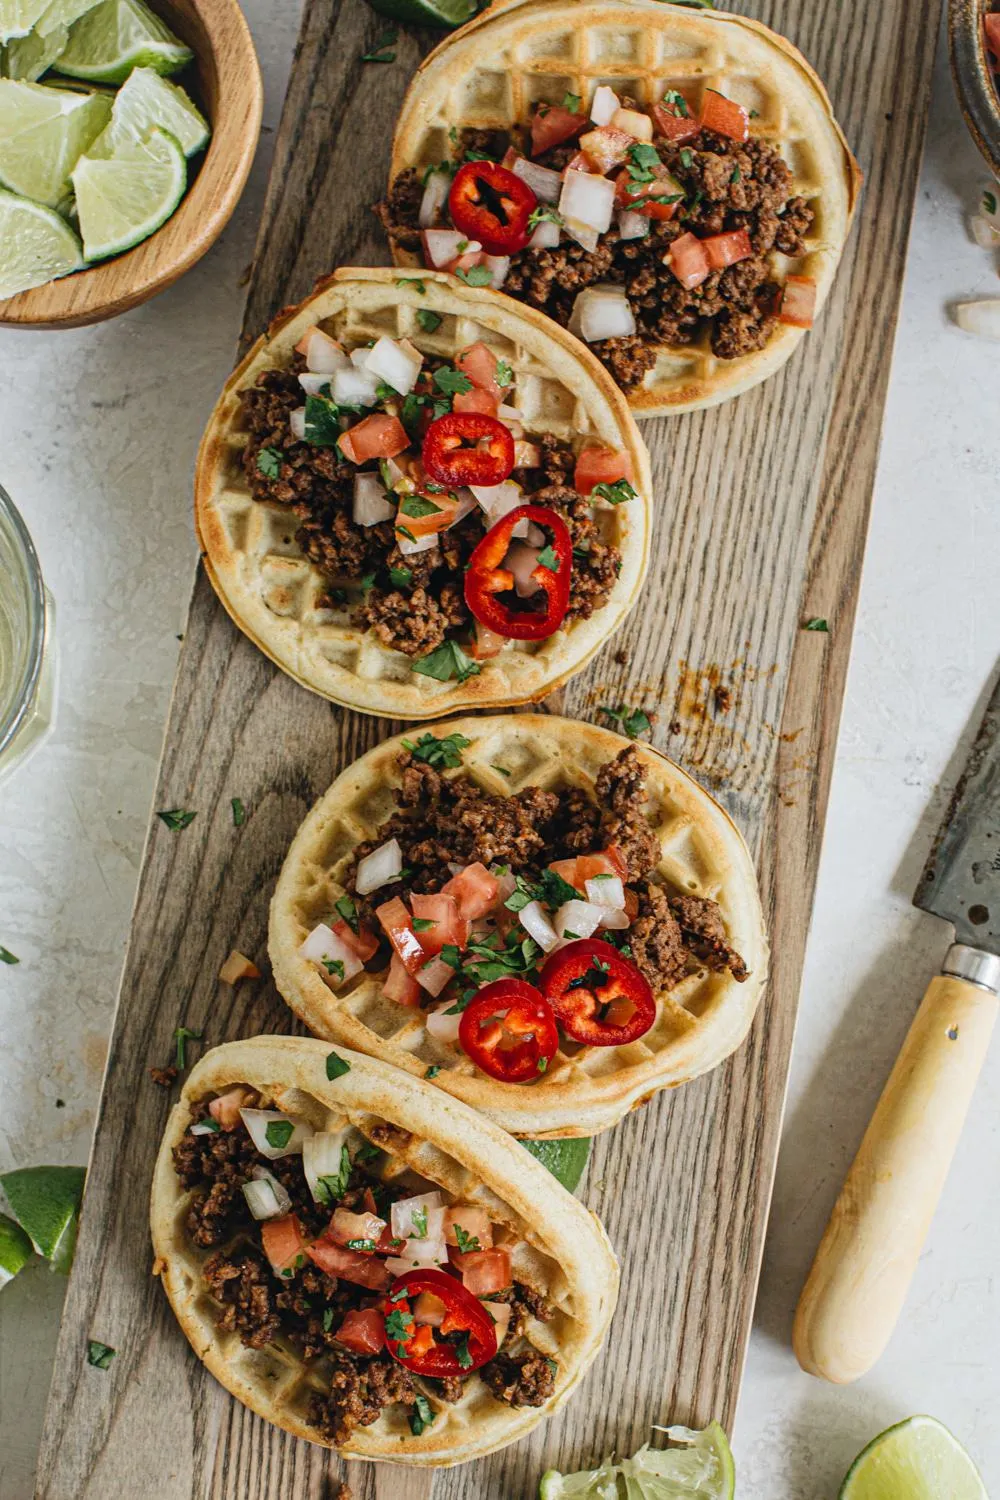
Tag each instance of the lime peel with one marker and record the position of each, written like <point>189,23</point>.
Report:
<point>15,1249</point>
<point>117,36</point>
<point>45,1201</point>
<point>36,245</point>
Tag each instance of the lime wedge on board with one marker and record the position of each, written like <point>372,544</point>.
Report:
<point>117,36</point>
<point>45,1201</point>
<point>17,17</point>
<point>28,57</point>
<point>43,132</point>
<point>36,245</point>
<point>702,1469</point>
<point>565,1159</point>
<point>123,199</point>
<point>918,1459</point>
<point>146,100</point>
<point>15,1249</point>
<point>448,13</point>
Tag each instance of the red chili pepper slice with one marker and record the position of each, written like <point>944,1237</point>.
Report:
<point>492,205</point>
<point>599,997</point>
<point>509,1031</point>
<point>418,1348</point>
<point>468,447</point>
<point>487,578</point>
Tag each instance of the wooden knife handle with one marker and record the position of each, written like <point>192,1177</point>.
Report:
<point>867,1257</point>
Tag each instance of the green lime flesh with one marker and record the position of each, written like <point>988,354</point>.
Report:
<point>45,1201</point>
<point>918,1459</point>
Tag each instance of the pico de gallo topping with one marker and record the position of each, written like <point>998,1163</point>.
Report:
<point>320,1239</point>
<point>440,521</point>
<point>636,226</point>
<point>518,918</point>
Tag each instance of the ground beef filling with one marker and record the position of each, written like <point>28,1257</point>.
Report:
<point>444,820</point>
<point>728,185</point>
<point>412,603</point>
<point>307,1308</point>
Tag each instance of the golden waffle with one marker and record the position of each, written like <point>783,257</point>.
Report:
<point>584,1089</point>
<point>490,74</point>
<point>275,595</point>
<point>562,1252</point>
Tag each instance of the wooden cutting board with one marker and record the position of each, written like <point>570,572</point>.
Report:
<point>762,512</point>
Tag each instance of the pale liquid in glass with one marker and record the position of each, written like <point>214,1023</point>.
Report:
<point>27,686</point>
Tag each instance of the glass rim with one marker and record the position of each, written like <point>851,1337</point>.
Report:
<point>26,688</point>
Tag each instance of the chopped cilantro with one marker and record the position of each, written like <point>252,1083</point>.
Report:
<point>451,381</point>
<point>617,493</point>
<point>401,578</point>
<point>735,175</point>
<point>438,752</point>
<point>322,428</point>
<point>405,531</point>
<point>334,966</point>
<point>572,102</point>
<point>336,1067</point>
<point>676,103</point>
<point>547,559</point>
<point>327,1319</point>
<point>687,157</point>
<point>466,1242</point>
<point>345,907</point>
<point>417,506</point>
<point>446,662</point>
<point>99,1355</point>
<point>475,275</point>
<point>360,1244</point>
<point>239,812</point>
<point>462,1352</point>
<point>429,321</point>
<point>6,957</point>
<point>451,955</point>
<point>432,1071</point>
<point>412,281</point>
<point>544,213</point>
<point>816,623</point>
<point>176,818</point>
<point>419,1217</point>
<point>399,1326</point>
<point>333,1187</point>
<point>278,1133</point>
<point>641,159</point>
<point>378,54</point>
<point>181,1038</point>
<point>503,375</point>
<point>542,1064</point>
<point>632,721</point>
<point>366,581</point>
<point>502,769</point>
<point>269,461</point>
<point>421,1416</point>
<point>422,924</point>
<point>990,202</point>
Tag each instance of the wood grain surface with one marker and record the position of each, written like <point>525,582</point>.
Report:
<point>763,508</point>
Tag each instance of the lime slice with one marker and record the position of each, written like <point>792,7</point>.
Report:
<point>702,1469</point>
<point>918,1459</point>
<point>62,13</point>
<point>447,13</point>
<point>125,198</point>
<point>46,1203</point>
<point>17,17</point>
<point>43,132</point>
<point>566,1160</point>
<point>28,57</point>
<point>36,245</point>
<point>144,101</point>
<point>117,36</point>
<point>15,1249</point>
<point>589,1484</point>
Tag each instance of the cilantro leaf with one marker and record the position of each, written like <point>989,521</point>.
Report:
<point>99,1355</point>
<point>432,1071</point>
<point>448,661</point>
<point>322,428</point>
<point>327,1319</point>
<point>466,1242</point>
<point>239,812</point>
<point>421,1416</point>
<point>641,159</point>
<point>401,578</point>
<point>419,1220</point>
<point>452,381</point>
<point>504,374</point>
<point>6,957</point>
<point>336,1067</point>
<point>345,907</point>
<point>632,721</point>
<point>475,275</point>
<point>333,1187</point>
<point>417,506</point>
<point>429,321</point>
<point>990,202</point>
<point>544,213</point>
<point>278,1133</point>
<point>181,1037</point>
<point>617,493</point>
<point>446,751</point>
<point>422,924</point>
<point>676,103</point>
<point>462,1352</point>
<point>334,966</point>
<point>547,559</point>
<point>269,461</point>
<point>367,582</point>
<point>378,54</point>
<point>176,818</point>
<point>816,623</point>
<point>572,102</point>
<point>412,281</point>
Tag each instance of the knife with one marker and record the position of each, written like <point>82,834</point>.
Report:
<point>868,1255</point>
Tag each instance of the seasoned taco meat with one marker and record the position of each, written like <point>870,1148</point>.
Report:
<point>526,1379</point>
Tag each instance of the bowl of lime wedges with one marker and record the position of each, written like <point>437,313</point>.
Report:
<point>127,131</point>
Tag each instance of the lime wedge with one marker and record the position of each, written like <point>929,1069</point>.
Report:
<point>566,1160</point>
<point>589,1484</point>
<point>702,1469</point>
<point>36,245</point>
<point>43,132</point>
<point>447,13</point>
<point>28,57</point>
<point>17,17</point>
<point>144,101</point>
<point>125,198</point>
<point>117,36</point>
<point>62,13</point>
<point>46,1203</point>
<point>15,1249</point>
<point>918,1459</point>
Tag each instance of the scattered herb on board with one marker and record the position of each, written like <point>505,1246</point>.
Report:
<point>378,53</point>
<point>181,1037</point>
<point>278,1133</point>
<point>176,818</point>
<point>817,623</point>
<point>239,812</point>
<point>446,751</point>
<point>269,461</point>
<point>99,1355</point>
<point>336,1067</point>
<point>631,721</point>
<point>6,957</point>
<point>990,202</point>
<point>446,662</point>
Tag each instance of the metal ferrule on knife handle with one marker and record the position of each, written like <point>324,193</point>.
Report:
<point>973,965</point>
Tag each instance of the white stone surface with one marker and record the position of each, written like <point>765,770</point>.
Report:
<point>99,430</point>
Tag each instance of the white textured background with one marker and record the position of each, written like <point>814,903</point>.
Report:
<point>97,434</point>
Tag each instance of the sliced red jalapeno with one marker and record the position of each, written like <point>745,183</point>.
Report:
<point>429,1351</point>
<point>599,997</point>
<point>492,205</point>
<point>468,447</point>
<point>509,1031</point>
<point>487,578</point>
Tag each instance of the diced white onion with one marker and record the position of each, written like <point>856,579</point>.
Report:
<point>582,233</point>
<point>543,182</point>
<point>510,413</point>
<point>322,1156</point>
<point>545,235</point>
<point>985,233</point>
<point>522,560</point>
<point>632,226</point>
<point>297,423</point>
<point>441,1026</point>
<point>606,101</point>
<point>634,123</point>
<point>262,1199</point>
<point>577,918</point>
<point>261,1174</point>
<point>980,318</point>
<point>434,199</point>
<point>257,1121</point>
<point>324,354</point>
<point>354,387</point>
<point>501,1313</point>
<point>371,504</point>
<point>498,500</point>
<point>615,921</point>
<point>442,245</point>
<point>419,1255</point>
<point>527,455</point>
<point>534,536</point>
<point>606,890</point>
<point>419,544</point>
<point>587,199</point>
<point>323,946</point>
<point>394,364</point>
<point>602,312</point>
<point>466,503</point>
<point>313,384</point>
<point>537,925</point>
<point>205,1127</point>
<point>434,975</point>
<point>383,865</point>
<point>428,1208</point>
<point>359,356</point>
<point>498,266</point>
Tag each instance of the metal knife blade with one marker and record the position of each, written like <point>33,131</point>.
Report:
<point>961,879</point>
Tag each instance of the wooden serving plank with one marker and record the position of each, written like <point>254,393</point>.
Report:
<point>763,508</point>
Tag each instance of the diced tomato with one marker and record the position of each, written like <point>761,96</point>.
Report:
<point>363,942</point>
<point>600,466</point>
<point>551,125</point>
<point>479,365</point>
<point>482,1271</point>
<point>346,1226</point>
<point>673,124</point>
<point>724,116</point>
<point>991,23</point>
<point>438,519</point>
<point>658,199</point>
<point>447,925</point>
<point>397,925</point>
<point>475,401</point>
<point>510,157</point>
<point>576,872</point>
<point>475,890</point>
<point>500,1312</point>
<point>283,1242</point>
<point>688,261</point>
<point>607,147</point>
<point>399,984</point>
<point>798,302</point>
<point>349,1265</point>
<point>466,261</point>
<point>388,1244</point>
<point>726,249</point>
<point>377,436</point>
<point>226,1109</point>
<point>362,1330</point>
<point>474,1223</point>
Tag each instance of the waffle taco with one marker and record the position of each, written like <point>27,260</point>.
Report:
<point>416,496</point>
<point>550,921</point>
<point>367,1263</point>
<point>669,183</point>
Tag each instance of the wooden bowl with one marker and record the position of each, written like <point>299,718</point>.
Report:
<point>974,82</point>
<point>228,89</point>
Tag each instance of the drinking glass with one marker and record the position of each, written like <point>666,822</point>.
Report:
<point>27,667</point>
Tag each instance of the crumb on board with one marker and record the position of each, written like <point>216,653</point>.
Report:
<point>165,1077</point>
